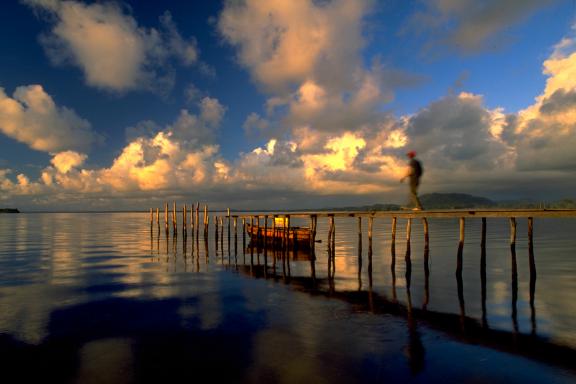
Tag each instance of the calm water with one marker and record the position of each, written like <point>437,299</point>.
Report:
<point>95,298</point>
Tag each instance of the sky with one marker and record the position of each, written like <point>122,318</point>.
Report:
<point>283,104</point>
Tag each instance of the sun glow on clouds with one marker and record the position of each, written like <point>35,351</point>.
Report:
<point>336,140</point>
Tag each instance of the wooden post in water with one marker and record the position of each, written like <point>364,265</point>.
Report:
<point>408,235</point>
<point>206,220</point>
<point>192,225</point>
<point>274,240</point>
<point>228,216</point>
<point>370,225</point>
<point>513,232</point>
<point>235,235</point>
<point>216,229</point>
<point>532,273</point>
<point>197,219</point>
<point>483,238</point>
<point>311,232</point>
<point>360,232</point>
<point>184,221</point>
<point>265,232</point>
<point>394,232</point>
<point>460,247</point>
<point>287,231</point>
<point>426,234</point>
<point>243,234</point>
<point>483,272</point>
<point>174,219</point>
<point>166,216</point>
<point>158,217</point>
<point>151,217</point>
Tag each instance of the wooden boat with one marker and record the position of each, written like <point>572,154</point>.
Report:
<point>300,235</point>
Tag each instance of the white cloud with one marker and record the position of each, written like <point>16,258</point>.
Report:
<point>113,51</point>
<point>32,117</point>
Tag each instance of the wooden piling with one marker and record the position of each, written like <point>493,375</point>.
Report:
<point>426,234</point>
<point>460,248</point>
<point>206,219</point>
<point>151,217</point>
<point>228,217</point>
<point>532,264</point>
<point>287,231</point>
<point>462,230</point>
<point>370,227</point>
<point>174,219</point>
<point>158,217</point>
<point>513,232</point>
<point>243,234</point>
<point>408,245</point>
<point>360,231</point>
<point>184,220</point>
<point>274,238</point>
<point>483,235</point>
<point>393,232</point>
<point>197,219</point>
<point>265,232</point>
<point>359,253</point>
<point>235,235</point>
<point>311,231</point>
<point>166,216</point>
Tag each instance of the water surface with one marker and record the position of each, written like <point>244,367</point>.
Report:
<point>102,297</point>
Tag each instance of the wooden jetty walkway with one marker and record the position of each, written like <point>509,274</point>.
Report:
<point>269,220</point>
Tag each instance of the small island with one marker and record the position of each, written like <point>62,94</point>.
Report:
<point>9,210</point>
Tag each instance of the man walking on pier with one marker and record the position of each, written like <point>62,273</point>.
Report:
<point>414,174</point>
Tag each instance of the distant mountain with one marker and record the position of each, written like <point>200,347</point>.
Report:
<point>455,201</point>
<point>9,210</point>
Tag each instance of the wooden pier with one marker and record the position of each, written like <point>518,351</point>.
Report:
<point>282,235</point>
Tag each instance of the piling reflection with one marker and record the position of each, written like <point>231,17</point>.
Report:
<point>297,267</point>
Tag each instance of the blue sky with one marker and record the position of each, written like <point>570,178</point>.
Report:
<point>297,102</point>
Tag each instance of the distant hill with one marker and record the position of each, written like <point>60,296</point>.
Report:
<point>464,201</point>
<point>455,201</point>
<point>9,210</point>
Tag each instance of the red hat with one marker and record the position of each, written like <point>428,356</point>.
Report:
<point>411,154</point>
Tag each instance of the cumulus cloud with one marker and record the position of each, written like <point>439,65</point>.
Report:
<point>458,131</point>
<point>283,42</point>
<point>172,158</point>
<point>109,46</point>
<point>306,56</point>
<point>469,24</point>
<point>32,117</point>
<point>544,134</point>
<point>65,161</point>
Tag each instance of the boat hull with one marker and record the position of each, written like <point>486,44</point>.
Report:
<point>296,235</point>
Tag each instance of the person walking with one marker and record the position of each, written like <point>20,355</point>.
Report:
<point>414,174</point>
